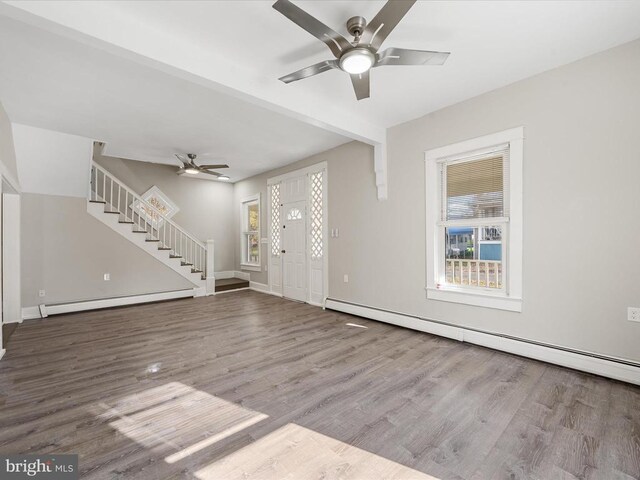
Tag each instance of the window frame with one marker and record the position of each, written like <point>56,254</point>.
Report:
<point>245,264</point>
<point>510,296</point>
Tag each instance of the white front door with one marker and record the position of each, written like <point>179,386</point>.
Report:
<point>294,252</point>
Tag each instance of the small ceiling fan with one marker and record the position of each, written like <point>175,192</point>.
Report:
<point>359,56</point>
<point>189,166</point>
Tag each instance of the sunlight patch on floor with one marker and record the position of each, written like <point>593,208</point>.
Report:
<point>355,325</point>
<point>175,419</point>
<point>295,452</point>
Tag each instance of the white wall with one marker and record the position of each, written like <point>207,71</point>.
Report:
<point>8,184</point>
<point>8,167</point>
<point>581,222</point>
<point>52,163</point>
<point>11,294</point>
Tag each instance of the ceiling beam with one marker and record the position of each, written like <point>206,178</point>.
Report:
<point>101,25</point>
<point>92,23</point>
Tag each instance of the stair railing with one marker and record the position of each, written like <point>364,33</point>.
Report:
<point>145,217</point>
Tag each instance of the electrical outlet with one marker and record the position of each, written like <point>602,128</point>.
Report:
<point>346,278</point>
<point>107,277</point>
<point>633,314</point>
<point>41,293</point>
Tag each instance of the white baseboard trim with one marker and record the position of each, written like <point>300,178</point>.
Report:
<point>617,369</point>
<point>17,320</point>
<point>231,291</point>
<point>2,352</point>
<point>232,274</point>
<point>263,288</point>
<point>224,274</point>
<point>259,287</point>
<point>29,312</point>
<point>242,275</point>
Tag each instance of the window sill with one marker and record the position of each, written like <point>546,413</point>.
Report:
<point>252,268</point>
<point>478,299</point>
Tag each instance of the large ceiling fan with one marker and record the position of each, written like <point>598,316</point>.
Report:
<point>358,57</point>
<point>189,166</point>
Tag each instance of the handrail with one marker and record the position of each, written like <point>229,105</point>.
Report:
<point>147,204</point>
<point>149,218</point>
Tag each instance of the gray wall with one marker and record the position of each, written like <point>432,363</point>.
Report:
<point>7,150</point>
<point>66,251</point>
<point>351,160</point>
<point>206,207</point>
<point>581,221</point>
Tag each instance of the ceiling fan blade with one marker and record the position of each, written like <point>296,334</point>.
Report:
<point>403,56</point>
<point>215,166</point>
<point>181,158</point>
<point>336,42</point>
<point>310,71</point>
<point>384,22</point>
<point>180,171</point>
<point>209,172</point>
<point>361,84</point>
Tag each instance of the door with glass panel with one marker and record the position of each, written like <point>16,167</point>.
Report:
<point>294,257</point>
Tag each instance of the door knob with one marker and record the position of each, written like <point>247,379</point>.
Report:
<point>283,251</point>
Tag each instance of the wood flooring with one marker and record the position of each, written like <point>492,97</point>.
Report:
<point>7,331</point>
<point>250,386</point>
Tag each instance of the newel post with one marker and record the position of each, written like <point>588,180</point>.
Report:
<point>210,268</point>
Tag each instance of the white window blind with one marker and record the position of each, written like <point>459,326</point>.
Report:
<point>474,187</point>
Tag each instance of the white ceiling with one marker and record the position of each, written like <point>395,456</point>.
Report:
<point>153,78</point>
<point>491,43</point>
<point>51,82</point>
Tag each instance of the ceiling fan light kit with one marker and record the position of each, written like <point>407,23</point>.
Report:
<point>190,166</point>
<point>360,55</point>
<point>357,61</point>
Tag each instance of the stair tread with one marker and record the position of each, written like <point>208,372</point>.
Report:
<point>125,221</point>
<point>225,284</point>
<point>112,211</point>
<point>151,240</point>
<point>97,201</point>
<point>165,248</point>
<point>185,264</point>
<point>175,256</point>
<point>140,231</point>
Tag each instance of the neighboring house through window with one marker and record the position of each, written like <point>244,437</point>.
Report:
<point>250,233</point>
<point>474,221</point>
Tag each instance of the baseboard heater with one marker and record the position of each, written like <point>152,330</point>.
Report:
<point>611,367</point>
<point>56,309</point>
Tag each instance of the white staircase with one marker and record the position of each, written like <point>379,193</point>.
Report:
<point>143,224</point>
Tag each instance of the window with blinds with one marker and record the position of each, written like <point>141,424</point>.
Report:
<point>474,187</point>
<point>474,221</point>
<point>473,211</point>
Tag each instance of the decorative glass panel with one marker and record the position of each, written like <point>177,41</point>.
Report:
<point>163,207</point>
<point>316,214</point>
<point>253,219</point>
<point>294,214</point>
<point>253,248</point>
<point>275,220</point>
